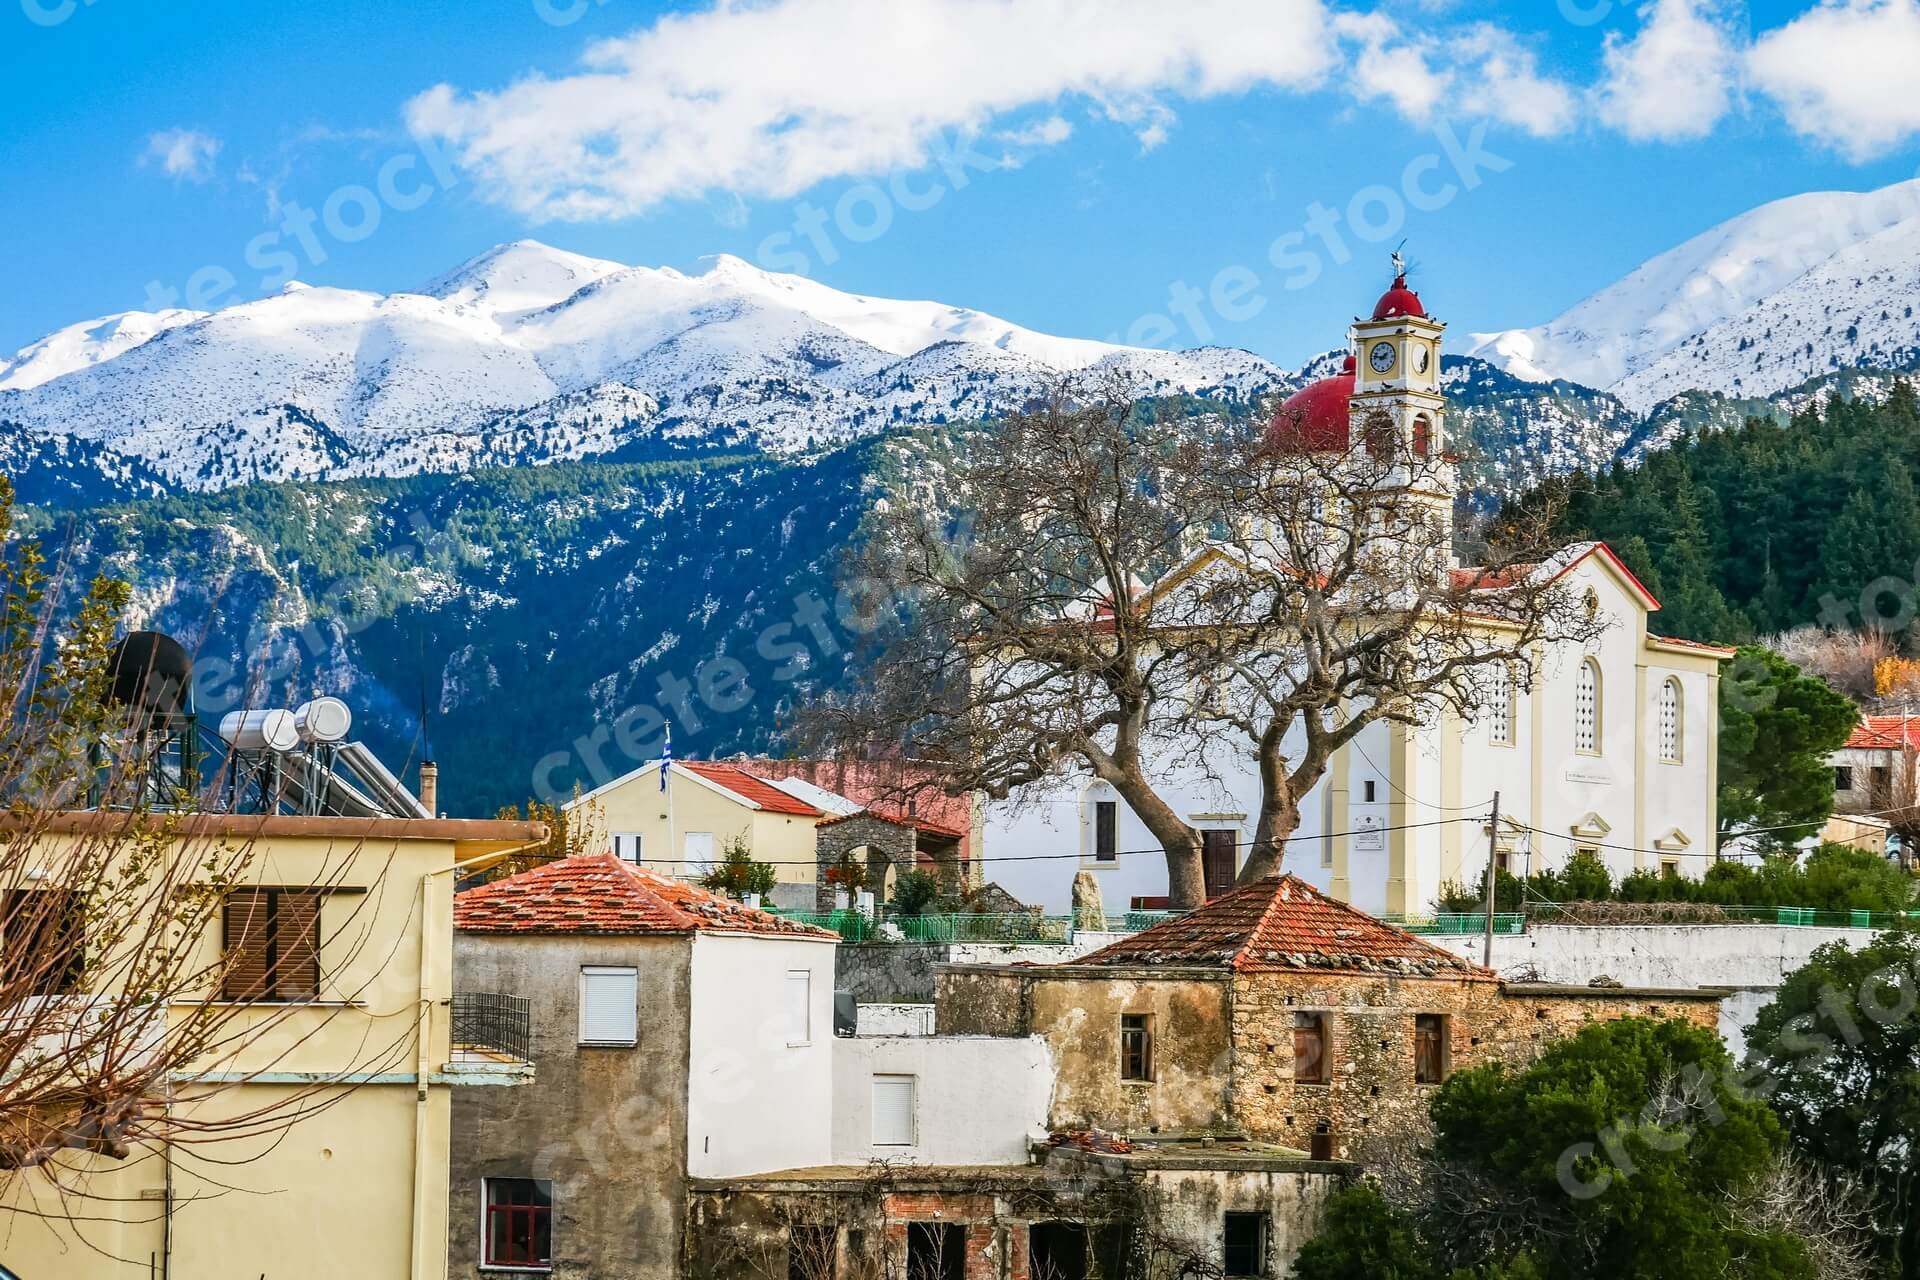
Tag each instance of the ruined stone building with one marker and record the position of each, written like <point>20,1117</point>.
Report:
<point>1276,1014</point>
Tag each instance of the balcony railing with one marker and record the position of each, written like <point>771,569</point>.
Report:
<point>488,1027</point>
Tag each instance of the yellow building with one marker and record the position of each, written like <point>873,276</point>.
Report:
<point>344,1046</point>
<point>707,807</point>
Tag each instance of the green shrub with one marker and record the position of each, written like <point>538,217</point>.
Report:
<point>914,892</point>
<point>737,874</point>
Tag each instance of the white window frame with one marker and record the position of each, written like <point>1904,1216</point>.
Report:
<point>639,846</point>
<point>913,1109</point>
<point>1588,723</point>
<point>589,972</point>
<point>1672,721</point>
<point>800,982</point>
<point>690,862</point>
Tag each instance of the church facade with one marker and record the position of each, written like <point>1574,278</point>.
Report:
<point>1609,749</point>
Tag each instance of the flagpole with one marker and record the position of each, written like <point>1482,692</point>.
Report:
<point>672,861</point>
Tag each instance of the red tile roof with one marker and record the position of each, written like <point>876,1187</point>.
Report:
<point>1724,649</point>
<point>1885,733</point>
<point>899,820</point>
<point>598,893</point>
<point>1284,925</point>
<point>748,787</point>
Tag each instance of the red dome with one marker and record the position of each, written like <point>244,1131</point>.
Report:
<point>1398,301</point>
<point>1314,419</point>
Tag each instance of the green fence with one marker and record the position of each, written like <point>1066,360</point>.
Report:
<point>1018,927</point>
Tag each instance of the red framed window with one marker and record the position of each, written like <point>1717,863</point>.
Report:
<point>517,1230</point>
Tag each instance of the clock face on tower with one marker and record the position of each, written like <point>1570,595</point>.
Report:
<point>1420,360</point>
<point>1381,357</point>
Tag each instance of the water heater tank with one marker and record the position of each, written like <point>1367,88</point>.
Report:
<point>260,730</point>
<point>322,720</point>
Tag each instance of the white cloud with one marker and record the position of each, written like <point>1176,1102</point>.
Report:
<point>186,154</point>
<point>1844,73</point>
<point>1675,79</point>
<point>1476,69</point>
<point>771,98</point>
<point>1050,132</point>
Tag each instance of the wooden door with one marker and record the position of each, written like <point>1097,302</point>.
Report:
<point>1219,860</point>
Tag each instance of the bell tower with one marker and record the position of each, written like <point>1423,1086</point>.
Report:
<point>1397,416</point>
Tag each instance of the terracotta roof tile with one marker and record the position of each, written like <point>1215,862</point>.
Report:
<point>748,787</point>
<point>599,893</point>
<point>899,820</point>
<point>1281,925</point>
<point>1885,733</point>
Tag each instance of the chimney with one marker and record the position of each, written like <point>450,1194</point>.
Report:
<point>430,788</point>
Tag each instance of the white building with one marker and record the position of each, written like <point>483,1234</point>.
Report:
<point>1612,750</point>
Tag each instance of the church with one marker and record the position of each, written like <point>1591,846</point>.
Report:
<point>1609,748</point>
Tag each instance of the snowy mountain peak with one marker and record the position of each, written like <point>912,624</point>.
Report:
<point>1749,283</point>
<point>83,345</point>
<point>519,277</point>
<point>531,353</point>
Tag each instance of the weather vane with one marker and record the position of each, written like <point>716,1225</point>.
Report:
<point>1399,262</point>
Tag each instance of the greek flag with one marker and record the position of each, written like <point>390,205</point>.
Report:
<point>666,756</point>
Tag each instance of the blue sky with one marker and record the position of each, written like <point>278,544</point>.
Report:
<point>1132,144</point>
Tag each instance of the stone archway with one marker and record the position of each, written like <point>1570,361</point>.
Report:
<point>882,848</point>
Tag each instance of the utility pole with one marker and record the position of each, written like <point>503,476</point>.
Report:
<point>1493,848</point>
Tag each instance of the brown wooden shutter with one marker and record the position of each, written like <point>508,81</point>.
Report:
<point>296,968</point>
<point>1309,1048</point>
<point>44,941</point>
<point>247,936</point>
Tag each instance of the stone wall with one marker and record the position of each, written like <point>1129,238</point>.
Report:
<point>1224,1046</point>
<point>1079,1012</point>
<point>1371,1088</point>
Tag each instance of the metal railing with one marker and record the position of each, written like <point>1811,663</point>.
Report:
<point>489,1025</point>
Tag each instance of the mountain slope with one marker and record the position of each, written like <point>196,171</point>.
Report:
<point>1785,292</point>
<point>531,354</point>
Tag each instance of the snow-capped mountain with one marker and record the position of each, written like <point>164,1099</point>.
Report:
<point>528,353</point>
<point>1790,291</point>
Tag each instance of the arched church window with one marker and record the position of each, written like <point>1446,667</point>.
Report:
<point>1586,709</point>
<point>1671,743</point>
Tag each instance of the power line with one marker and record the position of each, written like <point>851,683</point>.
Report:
<point>1118,853</point>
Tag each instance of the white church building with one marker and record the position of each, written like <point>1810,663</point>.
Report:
<point>1612,750</point>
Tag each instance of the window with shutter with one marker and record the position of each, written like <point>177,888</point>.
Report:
<point>893,1111</point>
<point>609,1006</point>
<point>1586,709</point>
<point>627,846</point>
<point>799,1007</point>
<point>1670,721</point>
<point>1310,1048</point>
<point>1106,827</point>
<point>43,942</point>
<point>272,944</point>
<point>1429,1048</point>
<point>1136,1046</point>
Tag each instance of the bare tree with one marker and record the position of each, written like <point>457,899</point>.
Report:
<point>121,1014</point>
<point>1101,585</point>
